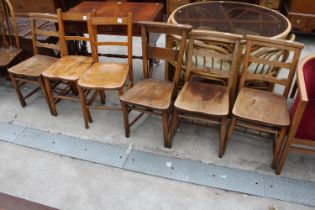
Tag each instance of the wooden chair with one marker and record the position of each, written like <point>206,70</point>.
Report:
<point>69,68</point>
<point>301,136</point>
<point>105,76</point>
<point>30,70</point>
<point>208,101</point>
<point>263,110</point>
<point>154,96</point>
<point>10,43</point>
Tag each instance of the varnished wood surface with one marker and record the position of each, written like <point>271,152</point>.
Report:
<point>150,93</point>
<point>7,55</point>
<point>105,76</point>
<point>33,66</point>
<point>68,68</point>
<point>203,98</point>
<point>262,107</point>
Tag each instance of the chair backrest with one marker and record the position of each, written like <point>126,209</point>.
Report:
<point>40,23</point>
<point>8,26</point>
<point>70,17</point>
<point>293,48</point>
<point>220,53</point>
<point>168,54</point>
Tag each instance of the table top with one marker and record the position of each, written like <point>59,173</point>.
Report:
<point>233,17</point>
<point>141,11</point>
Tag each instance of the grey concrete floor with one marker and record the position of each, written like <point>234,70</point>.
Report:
<point>73,184</point>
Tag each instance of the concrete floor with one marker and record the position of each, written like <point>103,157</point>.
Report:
<point>72,184</point>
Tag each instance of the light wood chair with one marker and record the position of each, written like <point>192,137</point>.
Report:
<point>10,43</point>
<point>30,70</point>
<point>69,68</point>
<point>208,98</point>
<point>153,96</point>
<point>264,110</point>
<point>301,136</point>
<point>106,76</point>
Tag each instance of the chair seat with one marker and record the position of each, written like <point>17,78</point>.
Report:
<point>33,66</point>
<point>156,94</point>
<point>262,106</point>
<point>68,68</point>
<point>105,76</point>
<point>203,98</point>
<point>7,55</point>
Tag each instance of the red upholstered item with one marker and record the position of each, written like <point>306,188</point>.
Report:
<point>306,128</point>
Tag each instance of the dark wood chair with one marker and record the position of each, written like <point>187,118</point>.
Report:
<point>301,136</point>
<point>106,76</point>
<point>208,91</point>
<point>69,68</point>
<point>30,70</point>
<point>264,110</point>
<point>154,96</point>
<point>10,43</point>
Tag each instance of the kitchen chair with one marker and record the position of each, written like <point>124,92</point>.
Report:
<point>264,110</point>
<point>153,96</point>
<point>210,97</point>
<point>10,42</point>
<point>301,136</point>
<point>30,70</point>
<point>105,76</point>
<point>69,68</point>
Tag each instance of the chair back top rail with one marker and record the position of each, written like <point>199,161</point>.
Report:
<point>254,42</point>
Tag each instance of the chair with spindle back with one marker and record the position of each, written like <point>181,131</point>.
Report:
<point>69,68</point>
<point>105,76</point>
<point>153,96</point>
<point>208,98</point>
<point>10,43</point>
<point>30,70</point>
<point>301,136</point>
<point>264,110</point>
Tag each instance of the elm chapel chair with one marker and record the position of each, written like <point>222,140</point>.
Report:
<point>30,70</point>
<point>263,110</point>
<point>153,96</point>
<point>301,136</point>
<point>208,99</point>
<point>69,68</point>
<point>106,76</point>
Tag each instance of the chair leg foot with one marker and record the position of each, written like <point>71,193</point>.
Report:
<point>222,136</point>
<point>172,131</point>
<point>165,119</point>
<point>86,114</point>
<point>229,133</point>
<point>124,109</point>
<point>17,90</point>
<point>279,145</point>
<point>50,96</point>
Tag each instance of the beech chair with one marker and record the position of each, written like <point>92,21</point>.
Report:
<point>301,136</point>
<point>69,68</point>
<point>30,70</point>
<point>264,110</point>
<point>106,76</point>
<point>10,43</point>
<point>153,96</point>
<point>208,98</point>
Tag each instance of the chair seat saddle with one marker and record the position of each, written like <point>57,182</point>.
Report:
<point>151,93</point>
<point>207,98</point>
<point>105,76</point>
<point>262,106</point>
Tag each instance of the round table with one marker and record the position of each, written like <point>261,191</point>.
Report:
<point>232,17</point>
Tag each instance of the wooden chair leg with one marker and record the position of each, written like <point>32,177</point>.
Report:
<point>73,88</point>
<point>229,133</point>
<point>279,145</point>
<point>50,96</point>
<point>42,86</point>
<point>283,156</point>
<point>102,96</point>
<point>18,90</point>
<point>222,136</point>
<point>86,113</point>
<point>124,109</point>
<point>165,118</point>
<point>173,128</point>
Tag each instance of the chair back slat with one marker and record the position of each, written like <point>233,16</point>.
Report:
<point>289,65</point>
<point>214,56</point>
<point>172,55</point>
